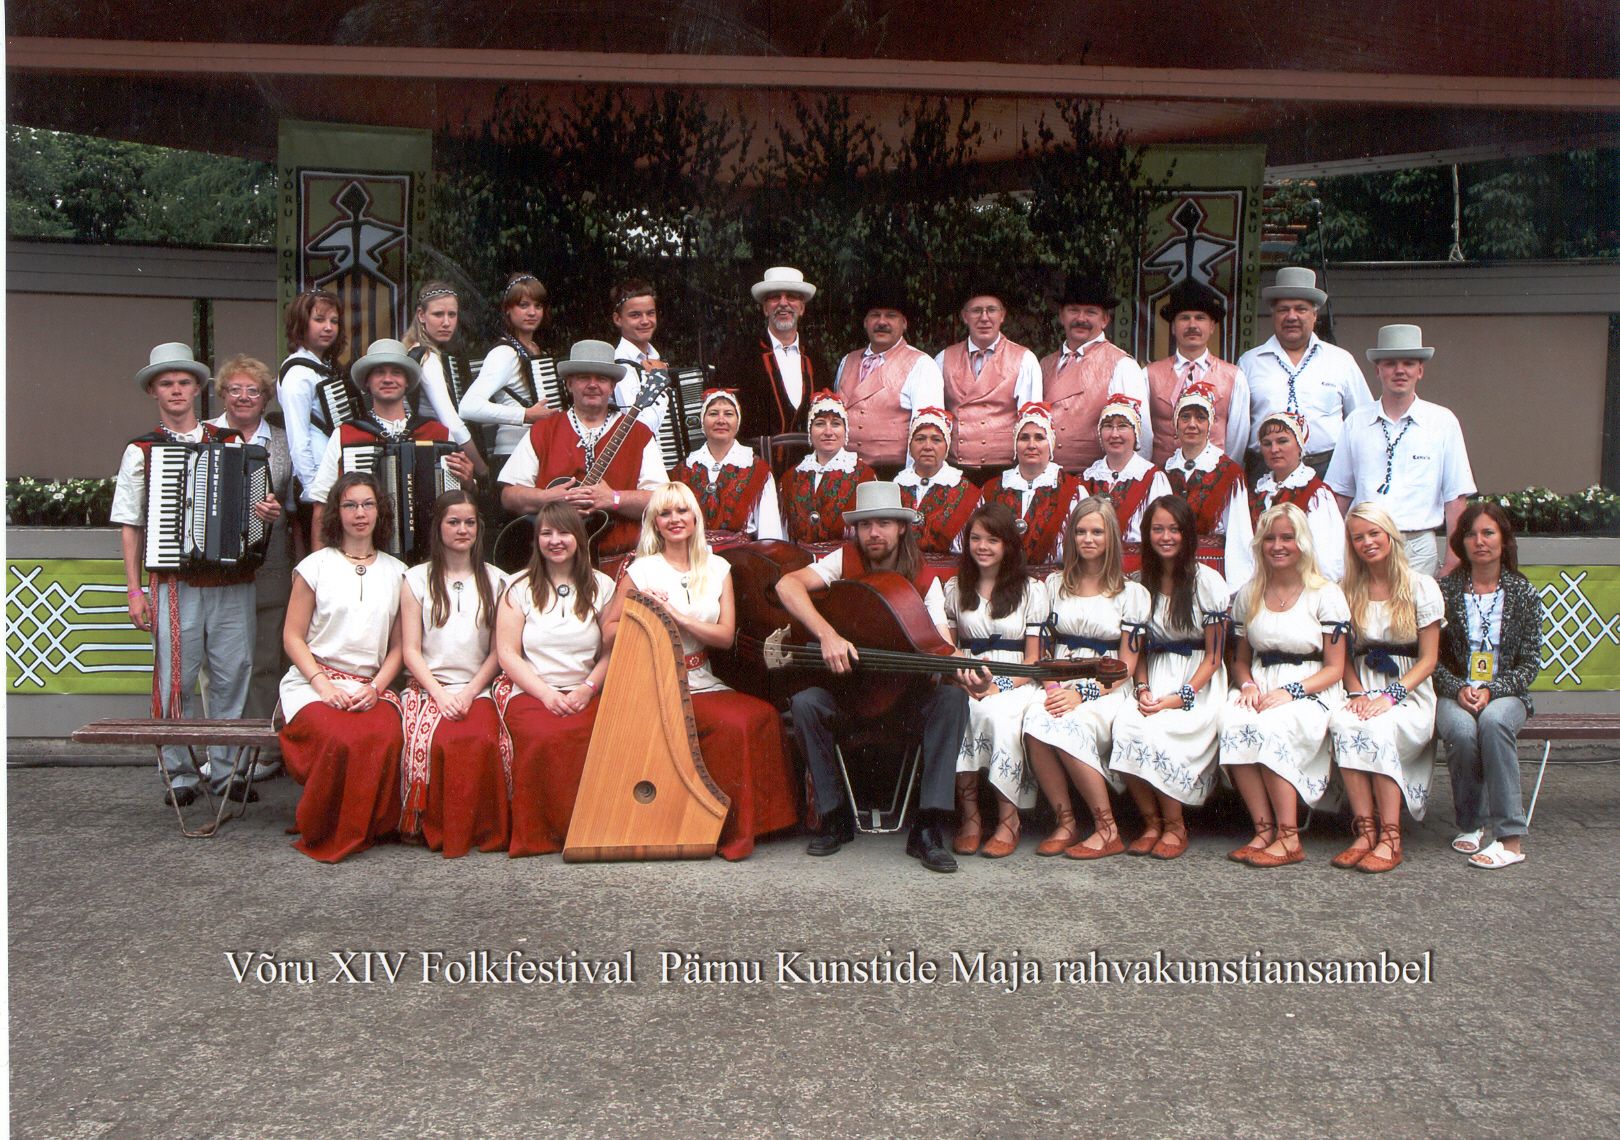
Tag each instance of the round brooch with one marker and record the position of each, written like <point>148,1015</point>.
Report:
<point>564,590</point>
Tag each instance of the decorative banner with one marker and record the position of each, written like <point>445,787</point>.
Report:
<point>351,197</point>
<point>1580,637</point>
<point>68,631</point>
<point>1208,230</point>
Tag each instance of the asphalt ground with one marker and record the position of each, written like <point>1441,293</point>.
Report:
<point>127,1018</point>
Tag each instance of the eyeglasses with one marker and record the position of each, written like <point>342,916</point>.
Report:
<point>984,311</point>
<point>349,505</point>
<point>243,393</point>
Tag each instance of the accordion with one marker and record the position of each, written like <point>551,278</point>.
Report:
<point>199,505</point>
<point>412,474</point>
<point>681,433</point>
<point>337,402</point>
<point>458,375</point>
<point>537,380</point>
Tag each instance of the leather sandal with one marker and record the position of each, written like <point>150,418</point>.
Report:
<point>1390,834</point>
<point>970,831</point>
<point>1173,842</point>
<point>1262,827</point>
<point>1063,835</point>
<point>1266,858</point>
<point>1365,827</point>
<point>999,848</point>
<point>1152,829</point>
<point>1104,821</point>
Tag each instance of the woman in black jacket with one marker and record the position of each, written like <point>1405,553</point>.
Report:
<point>1490,652</point>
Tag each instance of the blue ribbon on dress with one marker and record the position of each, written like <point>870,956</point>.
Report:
<point>1098,645</point>
<point>1380,656</point>
<point>1185,648</point>
<point>1274,657</point>
<point>993,644</point>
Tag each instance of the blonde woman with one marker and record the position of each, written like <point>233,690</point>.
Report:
<point>1290,623</point>
<point>1095,612</point>
<point>1383,738</point>
<point>740,736</point>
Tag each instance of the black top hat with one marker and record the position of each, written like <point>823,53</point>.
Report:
<point>1193,297</point>
<point>1086,289</point>
<point>884,293</point>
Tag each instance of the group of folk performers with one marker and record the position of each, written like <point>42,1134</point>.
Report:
<point>1071,472</point>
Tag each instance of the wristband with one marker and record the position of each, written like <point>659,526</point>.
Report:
<point>1247,685</point>
<point>1088,689</point>
<point>615,501</point>
<point>1396,692</point>
<point>138,591</point>
<point>1189,697</point>
<point>590,683</point>
<point>1353,696</point>
<point>1296,689</point>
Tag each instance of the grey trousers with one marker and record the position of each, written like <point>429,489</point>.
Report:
<point>216,630</point>
<point>941,720</point>
<point>1483,758</point>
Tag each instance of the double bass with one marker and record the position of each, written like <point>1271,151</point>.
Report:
<point>899,650</point>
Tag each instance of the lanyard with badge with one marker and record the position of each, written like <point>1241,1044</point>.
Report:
<point>1482,654</point>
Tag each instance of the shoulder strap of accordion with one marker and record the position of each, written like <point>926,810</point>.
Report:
<point>319,367</point>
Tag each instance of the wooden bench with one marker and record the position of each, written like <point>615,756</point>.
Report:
<point>244,737</point>
<point>1548,727</point>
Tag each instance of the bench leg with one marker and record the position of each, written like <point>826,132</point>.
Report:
<point>884,820</point>
<point>1546,751</point>
<point>222,809</point>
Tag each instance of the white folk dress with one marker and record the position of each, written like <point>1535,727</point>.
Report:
<point>354,613</point>
<point>1291,739</point>
<point>1400,743</point>
<point>1174,750</point>
<point>557,644</point>
<point>1086,732</point>
<point>653,572</point>
<point>994,741</point>
<point>456,650</point>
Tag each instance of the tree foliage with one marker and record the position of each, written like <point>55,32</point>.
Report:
<point>587,194</point>
<point>76,186</point>
<point>1554,206</point>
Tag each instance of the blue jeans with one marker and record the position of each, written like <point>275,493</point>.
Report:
<point>1484,764</point>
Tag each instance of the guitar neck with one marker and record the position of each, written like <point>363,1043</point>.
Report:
<point>901,661</point>
<point>610,448</point>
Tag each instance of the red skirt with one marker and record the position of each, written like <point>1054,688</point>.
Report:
<point>467,804</point>
<point>741,741</point>
<point>548,757</point>
<point>348,764</point>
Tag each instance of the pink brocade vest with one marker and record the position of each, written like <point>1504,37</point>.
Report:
<point>1076,395</point>
<point>1164,389</point>
<point>985,406</point>
<point>877,423</point>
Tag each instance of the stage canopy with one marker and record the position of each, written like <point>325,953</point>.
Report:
<point>1359,86</point>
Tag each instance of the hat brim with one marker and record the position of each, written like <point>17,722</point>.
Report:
<point>765,288</point>
<point>360,370</point>
<point>151,371</point>
<point>899,514</point>
<point>1293,293</point>
<point>1374,355</point>
<point>1169,313</point>
<point>567,368</point>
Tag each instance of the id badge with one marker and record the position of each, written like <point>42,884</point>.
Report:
<point>1481,666</point>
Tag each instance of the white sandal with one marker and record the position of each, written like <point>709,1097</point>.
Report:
<point>1495,857</point>
<point>1469,841</point>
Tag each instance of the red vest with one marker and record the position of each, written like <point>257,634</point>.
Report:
<point>1164,389</point>
<point>1300,496</point>
<point>816,514</point>
<point>1076,395</point>
<point>733,495</point>
<point>562,456</point>
<point>1207,492</point>
<point>879,428</point>
<point>945,512</point>
<point>985,406</point>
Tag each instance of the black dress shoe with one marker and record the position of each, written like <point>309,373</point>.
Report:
<point>837,829</point>
<point>926,844</point>
<point>240,791</point>
<point>180,797</point>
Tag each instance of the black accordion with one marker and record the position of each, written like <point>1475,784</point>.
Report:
<point>411,472</point>
<point>199,505</point>
<point>337,402</point>
<point>537,380</point>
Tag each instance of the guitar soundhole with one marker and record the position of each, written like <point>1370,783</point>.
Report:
<point>644,792</point>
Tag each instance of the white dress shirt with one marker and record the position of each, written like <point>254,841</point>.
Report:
<point>626,390</point>
<point>924,386</point>
<point>1423,454</point>
<point>1328,386</point>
